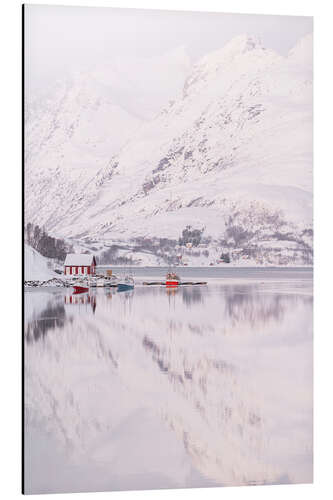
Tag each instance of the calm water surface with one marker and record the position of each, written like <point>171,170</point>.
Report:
<point>157,388</point>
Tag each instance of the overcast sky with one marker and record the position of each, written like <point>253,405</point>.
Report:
<point>61,39</point>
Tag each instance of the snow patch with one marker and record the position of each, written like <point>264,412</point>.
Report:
<point>36,267</point>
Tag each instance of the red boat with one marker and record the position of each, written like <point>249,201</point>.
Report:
<point>172,279</point>
<point>80,289</point>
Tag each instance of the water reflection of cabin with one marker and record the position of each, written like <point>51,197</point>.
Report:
<point>81,299</point>
<point>80,264</point>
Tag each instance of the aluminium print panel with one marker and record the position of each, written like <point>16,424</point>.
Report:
<point>167,328</point>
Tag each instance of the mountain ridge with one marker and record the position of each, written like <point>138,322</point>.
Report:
<point>238,138</point>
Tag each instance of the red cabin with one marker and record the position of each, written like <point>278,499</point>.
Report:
<point>79,264</point>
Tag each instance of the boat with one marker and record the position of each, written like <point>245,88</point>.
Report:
<point>92,281</point>
<point>80,288</point>
<point>111,281</point>
<point>126,284</point>
<point>172,279</point>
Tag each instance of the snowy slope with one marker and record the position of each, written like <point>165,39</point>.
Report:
<point>70,135</point>
<point>36,266</point>
<point>234,149</point>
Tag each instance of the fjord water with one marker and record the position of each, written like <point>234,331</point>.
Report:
<point>161,388</point>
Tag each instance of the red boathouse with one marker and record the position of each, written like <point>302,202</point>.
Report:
<point>79,264</point>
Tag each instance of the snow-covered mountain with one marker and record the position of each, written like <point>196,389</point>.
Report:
<point>231,154</point>
<point>70,135</point>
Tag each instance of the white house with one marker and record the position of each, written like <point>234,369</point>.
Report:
<point>79,264</point>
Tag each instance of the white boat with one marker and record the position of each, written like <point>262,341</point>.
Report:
<point>126,284</point>
<point>111,281</point>
<point>92,281</point>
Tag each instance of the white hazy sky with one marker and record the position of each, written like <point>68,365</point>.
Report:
<point>61,39</point>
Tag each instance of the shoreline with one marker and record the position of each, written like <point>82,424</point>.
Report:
<point>221,266</point>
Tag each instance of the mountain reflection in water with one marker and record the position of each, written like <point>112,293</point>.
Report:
<point>53,316</point>
<point>218,380</point>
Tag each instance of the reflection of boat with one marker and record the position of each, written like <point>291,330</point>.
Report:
<point>126,284</point>
<point>80,288</point>
<point>172,279</point>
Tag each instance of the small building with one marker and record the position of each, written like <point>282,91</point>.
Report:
<point>80,264</point>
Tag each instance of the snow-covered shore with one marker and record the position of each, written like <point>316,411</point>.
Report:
<point>36,267</point>
<point>38,270</point>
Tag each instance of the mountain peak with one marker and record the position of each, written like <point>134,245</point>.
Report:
<point>303,50</point>
<point>243,43</point>
<point>239,45</point>
<point>216,61</point>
